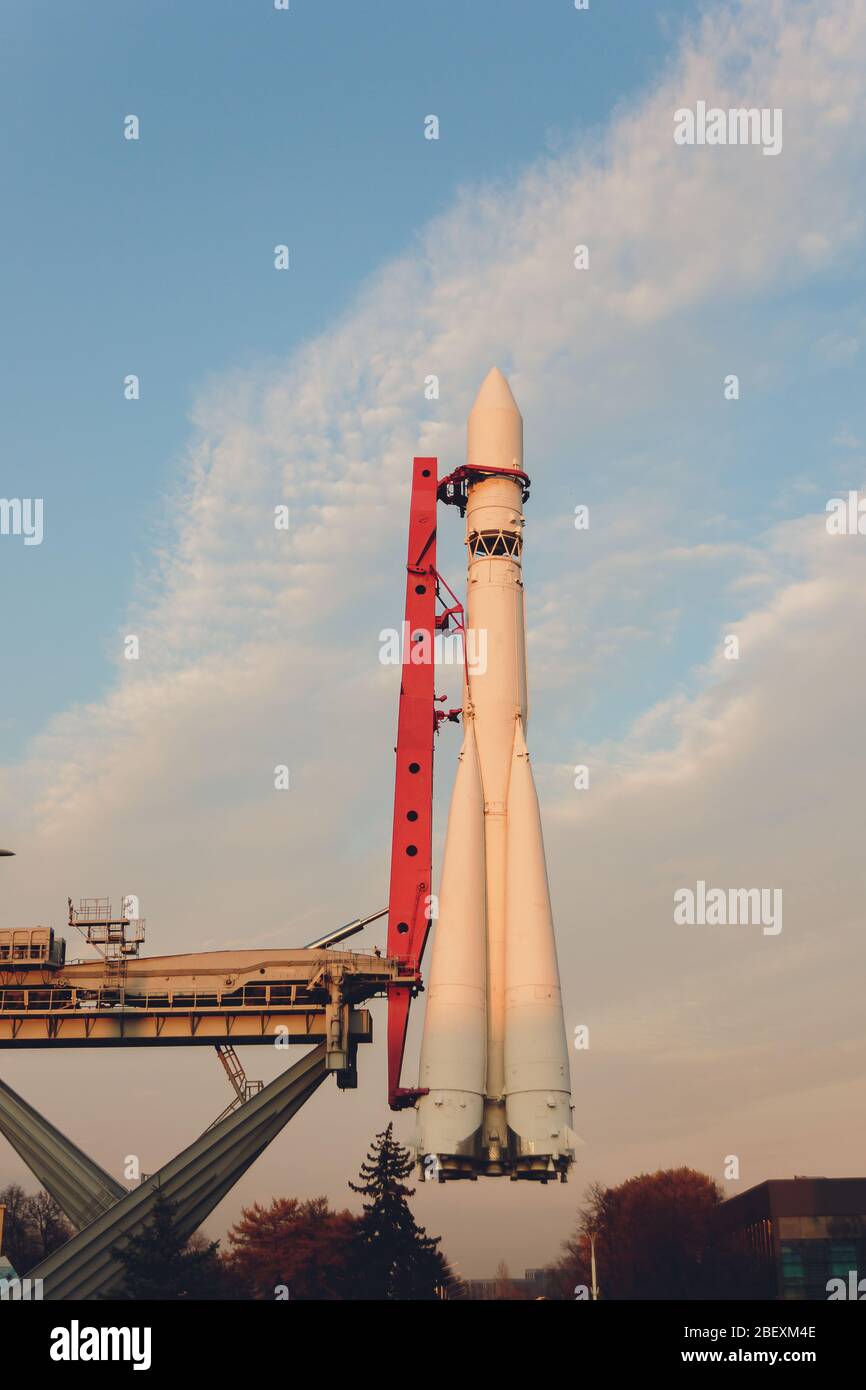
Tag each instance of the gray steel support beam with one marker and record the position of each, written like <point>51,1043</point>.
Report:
<point>80,1187</point>
<point>196,1181</point>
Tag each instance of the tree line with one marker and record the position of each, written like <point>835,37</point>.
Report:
<point>656,1236</point>
<point>291,1249</point>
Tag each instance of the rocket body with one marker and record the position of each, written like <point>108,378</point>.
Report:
<point>499,1099</point>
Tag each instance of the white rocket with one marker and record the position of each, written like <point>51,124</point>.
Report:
<point>494,1057</point>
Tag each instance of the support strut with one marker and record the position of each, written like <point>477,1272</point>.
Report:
<point>195,1181</point>
<point>81,1189</point>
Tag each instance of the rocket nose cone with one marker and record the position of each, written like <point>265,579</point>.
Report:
<point>495,429</point>
<point>495,393</point>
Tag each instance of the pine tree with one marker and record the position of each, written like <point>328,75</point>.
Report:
<point>394,1256</point>
<point>159,1263</point>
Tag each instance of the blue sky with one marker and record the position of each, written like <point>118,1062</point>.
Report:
<point>156,258</point>
<point>412,257</point>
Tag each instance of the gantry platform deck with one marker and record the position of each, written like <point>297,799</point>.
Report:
<point>237,997</point>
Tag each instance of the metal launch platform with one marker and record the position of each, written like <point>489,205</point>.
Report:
<point>220,997</point>
<point>311,997</point>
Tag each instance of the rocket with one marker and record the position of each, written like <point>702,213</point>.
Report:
<point>494,1057</point>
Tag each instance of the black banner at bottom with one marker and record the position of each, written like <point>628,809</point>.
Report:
<point>71,1339</point>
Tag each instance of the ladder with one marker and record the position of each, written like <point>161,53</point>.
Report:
<point>244,1090</point>
<point>115,974</point>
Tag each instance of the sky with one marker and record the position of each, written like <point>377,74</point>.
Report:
<point>258,387</point>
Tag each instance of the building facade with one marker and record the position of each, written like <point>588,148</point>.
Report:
<point>804,1234</point>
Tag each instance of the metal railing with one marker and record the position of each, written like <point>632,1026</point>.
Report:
<point>65,1000</point>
